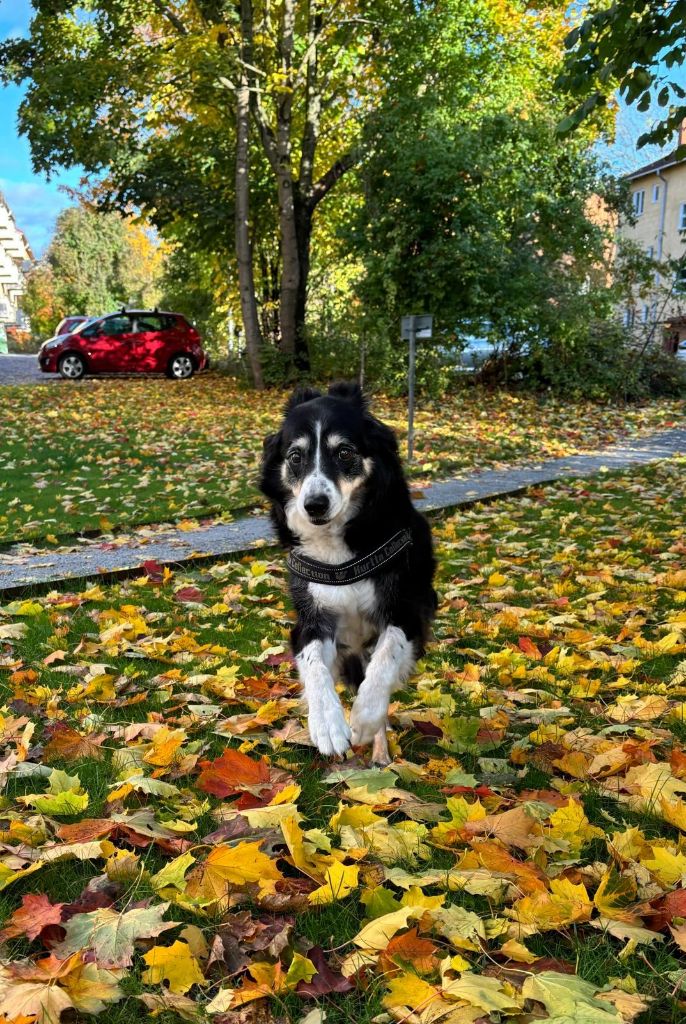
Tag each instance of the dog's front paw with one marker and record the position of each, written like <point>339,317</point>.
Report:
<point>329,730</point>
<point>367,717</point>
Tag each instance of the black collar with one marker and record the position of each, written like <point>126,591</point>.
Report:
<point>353,570</point>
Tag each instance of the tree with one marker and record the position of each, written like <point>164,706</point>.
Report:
<point>94,263</point>
<point>635,46</point>
<point>473,208</point>
<point>123,90</point>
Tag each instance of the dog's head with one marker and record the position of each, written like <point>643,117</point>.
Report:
<point>328,456</point>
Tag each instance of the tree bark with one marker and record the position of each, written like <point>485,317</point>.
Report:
<point>244,251</point>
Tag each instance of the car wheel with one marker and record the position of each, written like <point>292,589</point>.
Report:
<point>180,367</point>
<point>72,366</point>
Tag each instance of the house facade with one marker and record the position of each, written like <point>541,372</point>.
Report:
<point>15,260</point>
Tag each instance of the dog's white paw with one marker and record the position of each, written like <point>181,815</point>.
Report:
<point>328,729</point>
<point>368,715</point>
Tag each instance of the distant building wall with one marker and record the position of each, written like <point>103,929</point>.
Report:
<point>15,260</point>
<point>658,194</point>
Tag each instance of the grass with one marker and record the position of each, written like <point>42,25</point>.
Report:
<point>553,609</point>
<point>108,455</point>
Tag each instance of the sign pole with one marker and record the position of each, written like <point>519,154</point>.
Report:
<point>410,390</point>
<point>412,328</point>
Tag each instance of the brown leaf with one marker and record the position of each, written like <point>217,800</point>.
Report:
<point>325,980</point>
<point>67,744</point>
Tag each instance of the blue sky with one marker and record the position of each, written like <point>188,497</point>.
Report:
<point>34,201</point>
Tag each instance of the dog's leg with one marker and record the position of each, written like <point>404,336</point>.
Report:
<point>380,752</point>
<point>389,666</point>
<point>326,722</point>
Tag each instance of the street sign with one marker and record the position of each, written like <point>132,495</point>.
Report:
<point>422,326</point>
<point>418,327</point>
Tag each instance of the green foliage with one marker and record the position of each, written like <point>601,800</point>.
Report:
<point>636,47</point>
<point>601,362</point>
<point>95,262</point>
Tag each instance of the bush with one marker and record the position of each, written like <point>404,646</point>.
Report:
<point>604,364</point>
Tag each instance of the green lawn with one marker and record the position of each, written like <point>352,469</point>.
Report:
<point>109,454</point>
<point>534,810</point>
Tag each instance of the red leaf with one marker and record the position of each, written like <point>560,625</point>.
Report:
<point>666,908</point>
<point>190,595</point>
<point>232,773</point>
<point>153,570</point>
<point>325,980</point>
<point>34,914</point>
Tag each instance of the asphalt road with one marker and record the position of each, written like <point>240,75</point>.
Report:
<point>16,369</point>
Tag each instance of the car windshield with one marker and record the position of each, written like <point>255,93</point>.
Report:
<point>84,323</point>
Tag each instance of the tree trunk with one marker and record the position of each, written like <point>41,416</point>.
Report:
<point>301,356</point>
<point>290,264</point>
<point>244,254</point>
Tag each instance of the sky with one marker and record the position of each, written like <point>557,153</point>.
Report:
<point>34,201</point>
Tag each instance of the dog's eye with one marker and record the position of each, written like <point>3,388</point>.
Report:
<point>346,454</point>
<point>294,457</point>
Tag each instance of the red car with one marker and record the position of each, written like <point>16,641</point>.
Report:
<point>131,341</point>
<point>67,325</point>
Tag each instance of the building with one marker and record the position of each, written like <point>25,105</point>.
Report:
<point>15,260</point>
<point>659,201</point>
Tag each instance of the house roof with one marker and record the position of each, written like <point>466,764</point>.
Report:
<point>657,165</point>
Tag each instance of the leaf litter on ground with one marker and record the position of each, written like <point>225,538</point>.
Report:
<point>170,842</point>
<point>104,456</point>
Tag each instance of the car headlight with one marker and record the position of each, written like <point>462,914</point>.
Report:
<point>50,343</point>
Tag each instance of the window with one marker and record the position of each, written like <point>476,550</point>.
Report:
<point>629,316</point>
<point>680,281</point>
<point>682,217</point>
<point>116,325</point>
<point>639,201</point>
<point>650,252</point>
<point>152,322</point>
<point>656,193</point>
<point>646,314</point>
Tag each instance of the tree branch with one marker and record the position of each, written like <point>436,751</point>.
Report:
<point>171,17</point>
<point>327,181</point>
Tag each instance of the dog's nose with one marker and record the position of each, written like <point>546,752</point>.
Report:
<point>317,506</point>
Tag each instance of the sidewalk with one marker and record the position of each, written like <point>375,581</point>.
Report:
<point>223,539</point>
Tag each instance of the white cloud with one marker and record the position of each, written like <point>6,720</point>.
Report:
<point>35,206</point>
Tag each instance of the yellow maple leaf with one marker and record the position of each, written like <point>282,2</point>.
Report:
<point>340,880</point>
<point>233,866</point>
<point>571,824</point>
<point>174,964</point>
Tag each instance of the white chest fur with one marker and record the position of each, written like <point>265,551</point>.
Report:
<point>353,605</point>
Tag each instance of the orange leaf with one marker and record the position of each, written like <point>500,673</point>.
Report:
<point>35,914</point>
<point>409,949</point>
<point>231,773</point>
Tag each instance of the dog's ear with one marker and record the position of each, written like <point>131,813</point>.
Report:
<point>300,396</point>
<point>270,481</point>
<point>349,391</point>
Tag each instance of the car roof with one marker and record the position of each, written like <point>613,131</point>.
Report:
<point>138,312</point>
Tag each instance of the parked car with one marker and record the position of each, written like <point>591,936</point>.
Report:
<point>67,325</point>
<point>475,353</point>
<point>130,341</point>
<point>681,350</point>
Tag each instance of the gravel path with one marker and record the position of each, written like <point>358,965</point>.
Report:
<point>18,569</point>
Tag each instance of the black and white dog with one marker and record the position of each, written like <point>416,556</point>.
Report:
<point>361,561</point>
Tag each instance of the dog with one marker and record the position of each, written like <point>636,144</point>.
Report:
<point>360,558</point>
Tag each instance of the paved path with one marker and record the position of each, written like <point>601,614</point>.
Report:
<point>16,369</point>
<point>223,539</point>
